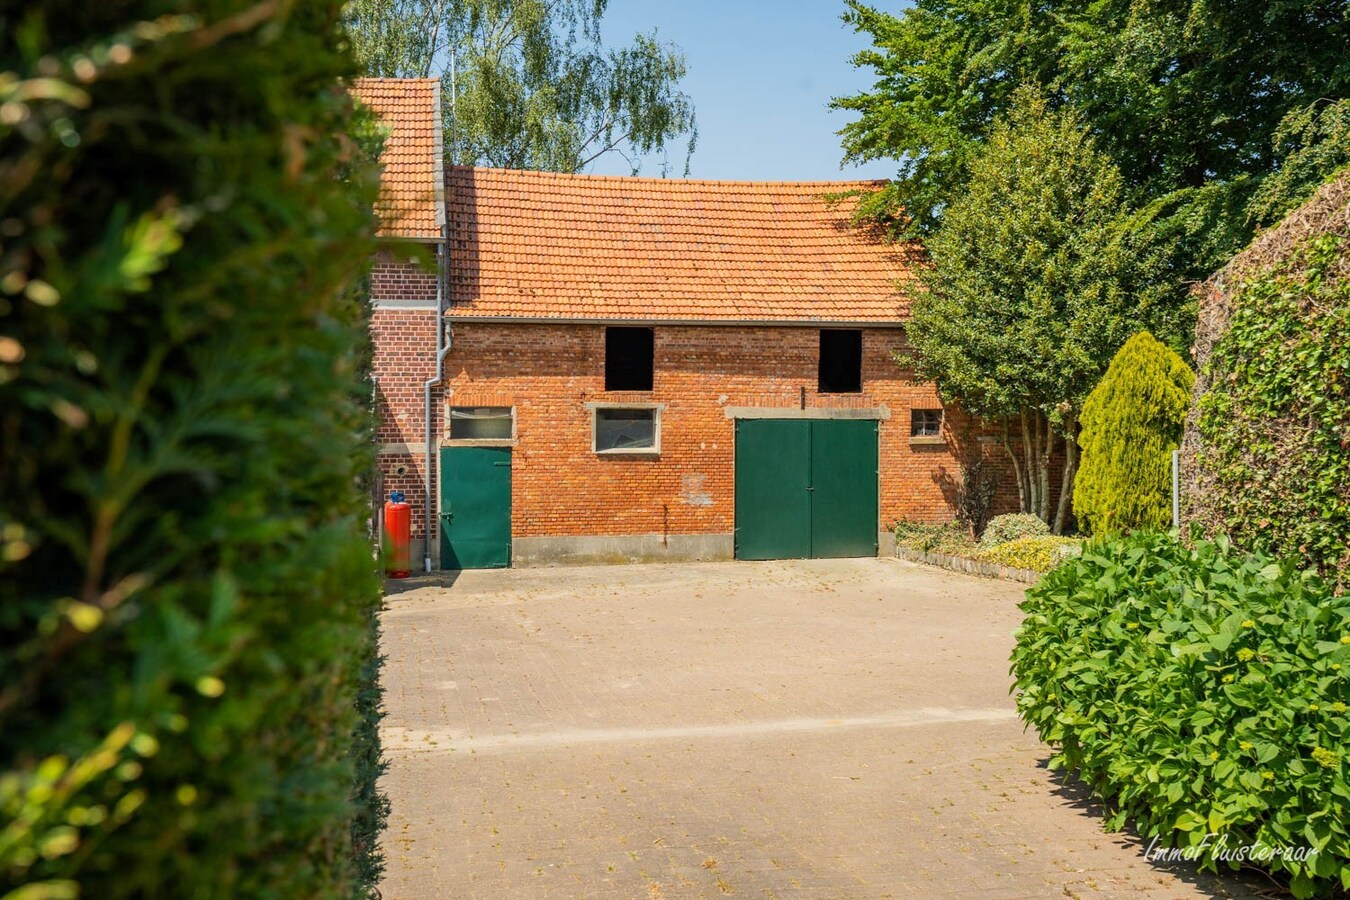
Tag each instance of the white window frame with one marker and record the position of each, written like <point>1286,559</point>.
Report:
<point>654,450</point>
<point>935,437</point>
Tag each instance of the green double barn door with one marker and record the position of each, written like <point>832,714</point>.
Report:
<point>475,507</point>
<point>806,488</point>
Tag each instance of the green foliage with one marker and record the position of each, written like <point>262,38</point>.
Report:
<point>1037,278</point>
<point>395,38</point>
<point>1039,553</point>
<point>185,585</point>
<point>1197,691</point>
<point>536,87</point>
<point>1132,421</point>
<point>370,808</point>
<point>952,538</point>
<point>1176,92</point>
<point>1023,542</point>
<point>1274,423</point>
<point>1312,142</point>
<point>1039,274</point>
<point>1011,526</point>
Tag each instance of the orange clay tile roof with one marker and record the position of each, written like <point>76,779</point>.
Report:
<point>547,246</point>
<point>412,194</point>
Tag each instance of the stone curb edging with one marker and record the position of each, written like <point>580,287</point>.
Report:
<point>969,566</point>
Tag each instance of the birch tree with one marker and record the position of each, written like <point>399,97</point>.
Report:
<point>529,84</point>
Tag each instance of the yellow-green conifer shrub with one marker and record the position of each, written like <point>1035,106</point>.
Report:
<point>1132,421</point>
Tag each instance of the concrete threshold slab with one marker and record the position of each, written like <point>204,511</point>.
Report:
<point>406,741</point>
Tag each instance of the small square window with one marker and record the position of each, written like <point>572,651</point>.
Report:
<point>925,423</point>
<point>478,423</point>
<point>627,430</point>
<point>629,358</point>
<point>840,361</point>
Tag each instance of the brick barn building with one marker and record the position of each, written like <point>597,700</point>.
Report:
<point>636,369</point>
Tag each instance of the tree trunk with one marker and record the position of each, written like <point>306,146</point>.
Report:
<point>1029,462</point>
<point>1046,449</point>
<point>1018,473</point>
<point>1070,472</point>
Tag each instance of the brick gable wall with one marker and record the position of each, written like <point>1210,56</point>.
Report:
<point>404,359</point>
<point>395,279</point>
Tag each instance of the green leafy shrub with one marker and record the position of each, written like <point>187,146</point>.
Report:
<point>1132,421</point>
<point>1040,553</point>
<point>185,585</point>
<point>1011,526</point>
<point>1198,691</point>
<point>950,537</point>
<point>1273,455</point>
<point>1312,143</point>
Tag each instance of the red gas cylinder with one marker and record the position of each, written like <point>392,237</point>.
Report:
<point>397,536</point>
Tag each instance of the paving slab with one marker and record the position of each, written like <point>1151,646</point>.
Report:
<point>819,728</point>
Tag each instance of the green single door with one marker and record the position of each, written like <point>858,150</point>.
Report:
<point>475,507</point>
<point>773,504</point>
<point>843,488</point>
<point>806,488</point>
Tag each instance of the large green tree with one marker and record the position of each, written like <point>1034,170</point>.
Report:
<point>1038,275</point>
<point>529,84</point>
<point>1187,96</point>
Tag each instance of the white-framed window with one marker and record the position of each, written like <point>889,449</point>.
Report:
<point>482,423</point>
<point>626,428</point>
<point>925,423</point>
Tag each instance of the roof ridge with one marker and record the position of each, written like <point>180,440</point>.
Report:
<point>396,80</point>
<point>645,179</point>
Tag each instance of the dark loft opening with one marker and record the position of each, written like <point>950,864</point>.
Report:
<point>840,361</point>
<point>628,359</point>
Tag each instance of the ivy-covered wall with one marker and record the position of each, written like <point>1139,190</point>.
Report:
<point>1267,448</point>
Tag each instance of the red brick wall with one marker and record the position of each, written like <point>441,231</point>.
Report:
<point>405,350</point>
<point>405,342</point>
<point>561,488</point>
<point>393,277</point>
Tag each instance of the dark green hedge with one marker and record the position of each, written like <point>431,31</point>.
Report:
<point>186,591</point>
<point>1202,694</point>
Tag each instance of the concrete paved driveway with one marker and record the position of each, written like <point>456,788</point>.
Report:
<point>830,728</point>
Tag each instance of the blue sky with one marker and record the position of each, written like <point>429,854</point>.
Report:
<point>761,75</point>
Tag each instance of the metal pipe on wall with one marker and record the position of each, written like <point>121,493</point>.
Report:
<point>443,339</point>
<point>442,348</point>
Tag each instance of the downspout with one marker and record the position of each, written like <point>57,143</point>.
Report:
<point>443,335</point>
<point>442,349</point>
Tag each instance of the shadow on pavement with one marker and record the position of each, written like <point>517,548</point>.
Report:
<point>443,579</point>
<point>1244,884</point>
